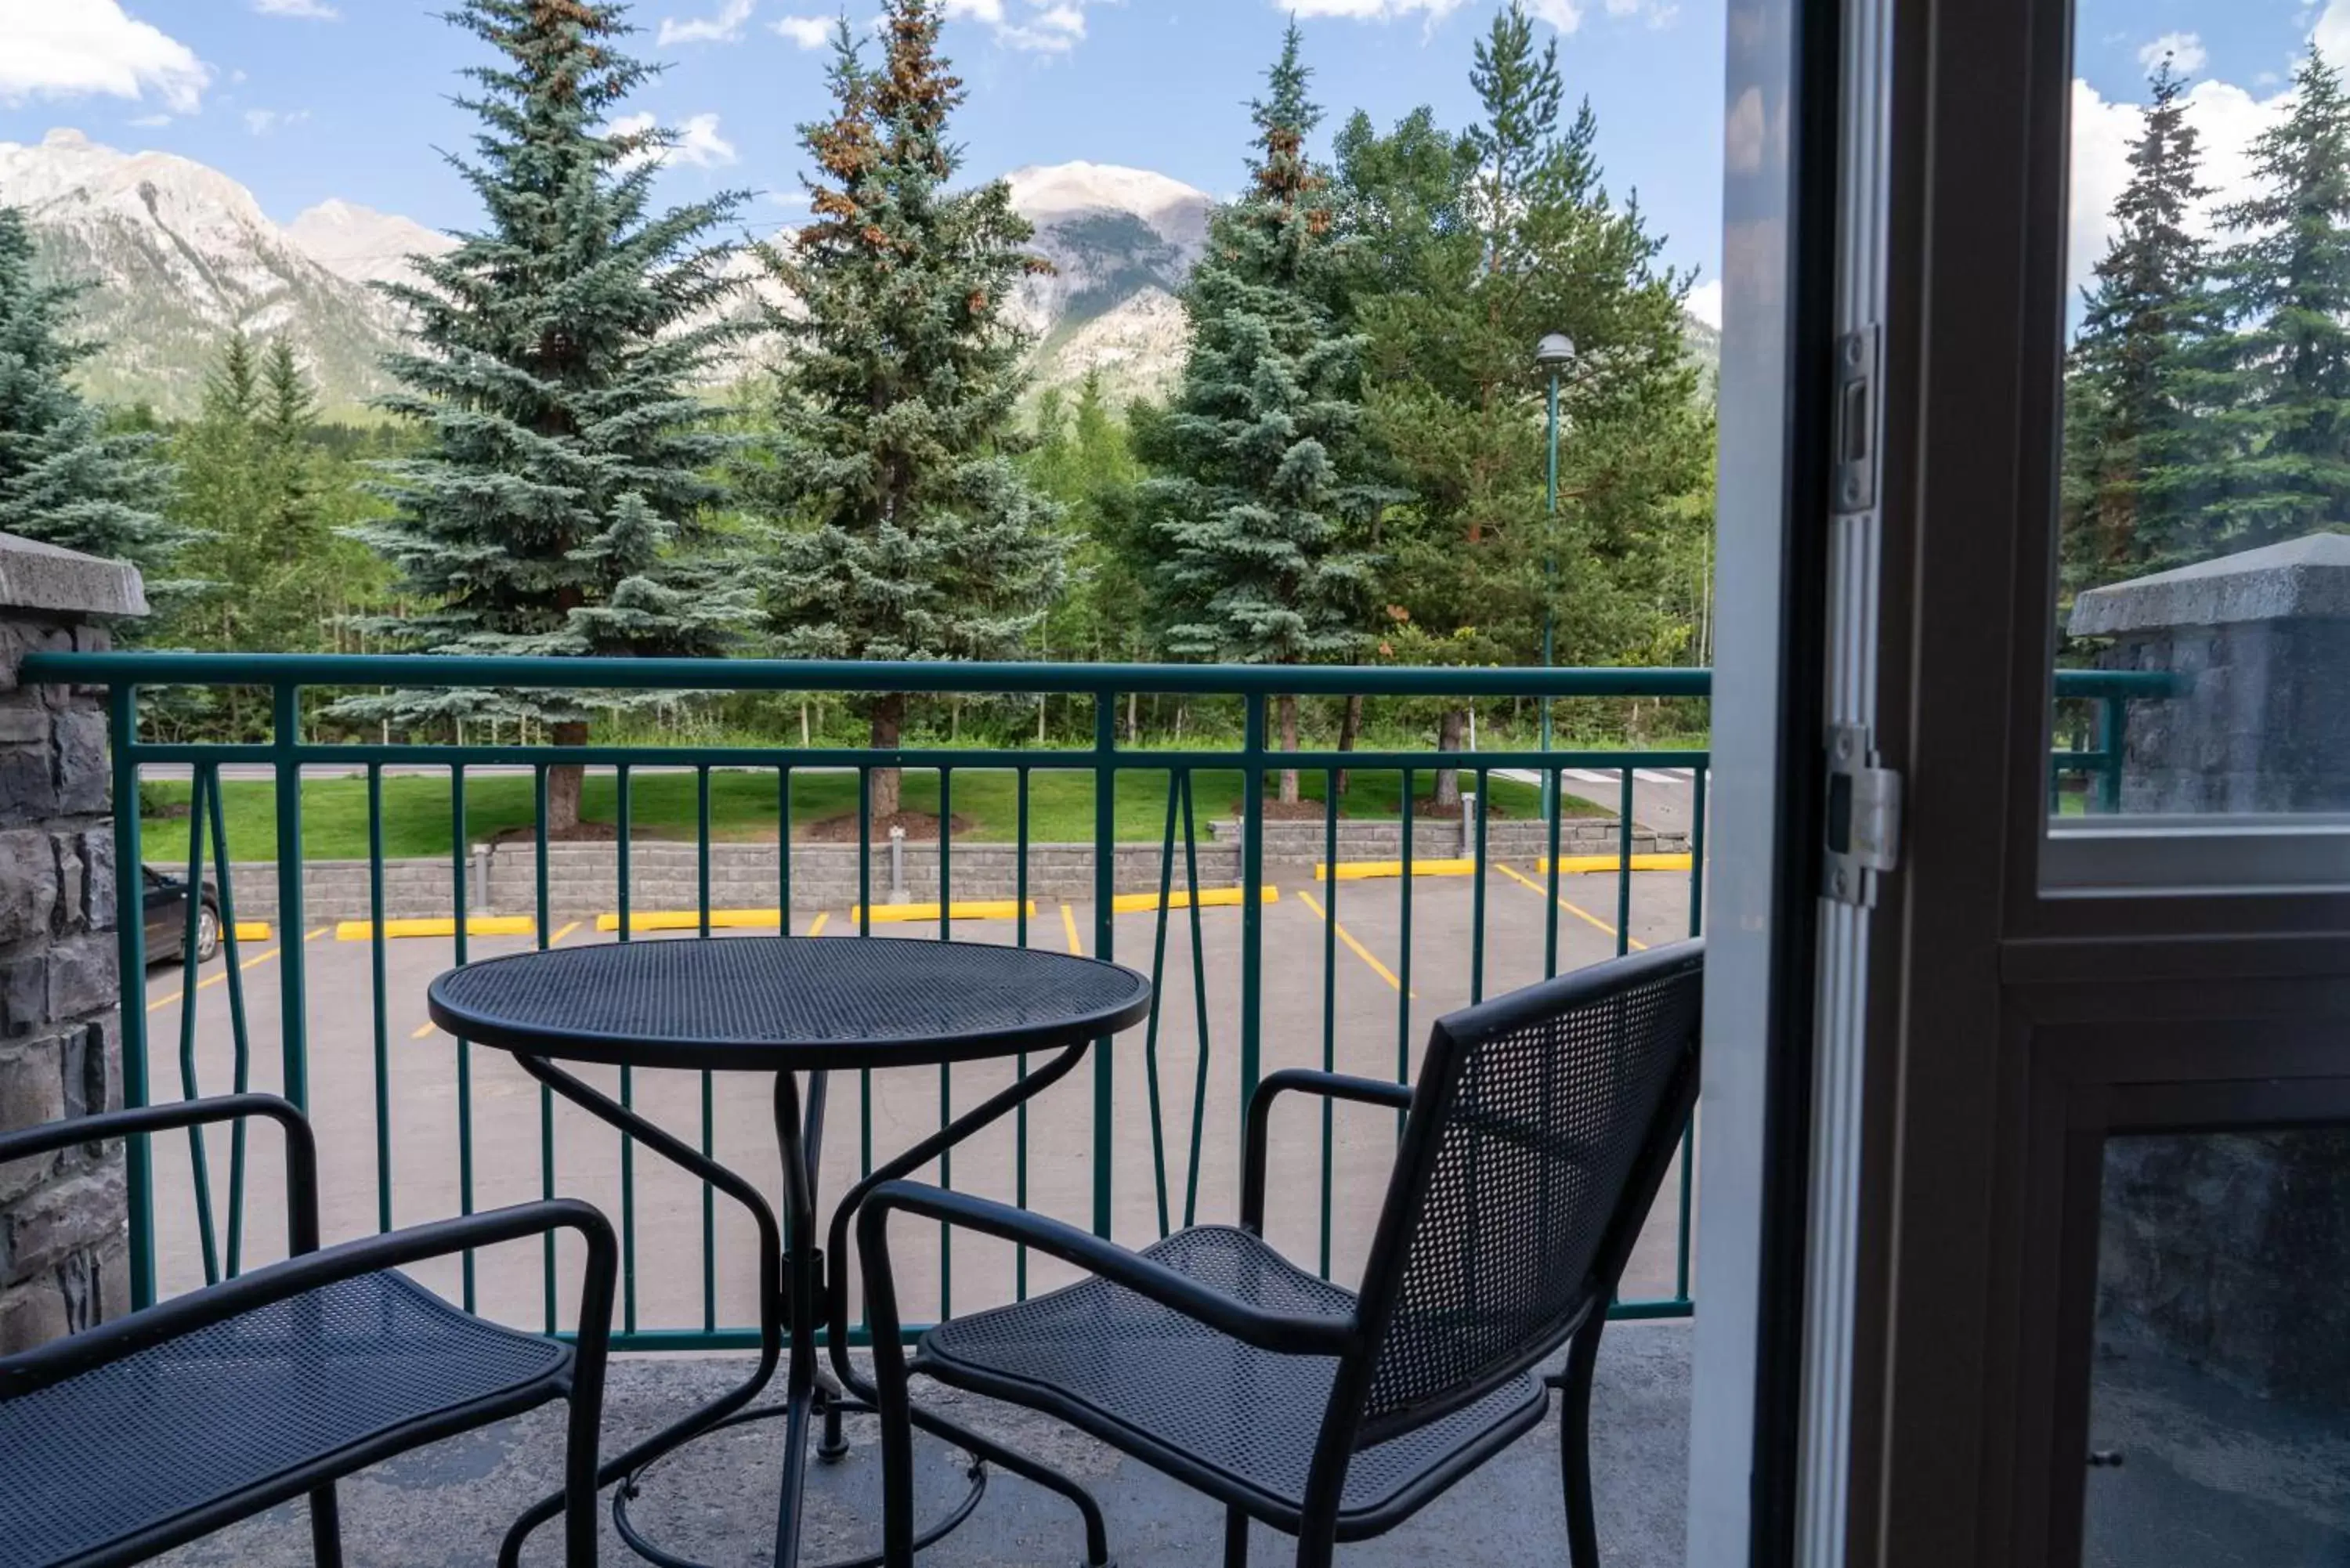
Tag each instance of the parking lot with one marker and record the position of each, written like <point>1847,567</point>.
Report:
<point>1342,944</point>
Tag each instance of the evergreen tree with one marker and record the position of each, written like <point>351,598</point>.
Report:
<point>898,524</point>
<point>560,507</point>
<point>2138,443</point>
<point>2286,285</point>
<point>1463,251</point>
<point>64,478</point>
<point>1260,504</point>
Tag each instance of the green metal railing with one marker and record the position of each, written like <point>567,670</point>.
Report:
<point>1177,1181</point>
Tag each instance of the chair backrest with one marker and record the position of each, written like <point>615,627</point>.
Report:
<point>1540,1129</point>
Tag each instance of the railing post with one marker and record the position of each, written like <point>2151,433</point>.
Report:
<point>131,950</point>
<point>1251,892</point>
<point>1105,895</point>
<point>285,736</point>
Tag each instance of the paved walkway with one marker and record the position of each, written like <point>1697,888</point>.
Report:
<point>445,1507</point>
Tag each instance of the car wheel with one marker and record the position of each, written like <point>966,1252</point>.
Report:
<point>208,933</point>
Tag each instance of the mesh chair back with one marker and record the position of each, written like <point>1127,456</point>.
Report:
<point>1540,1130</point>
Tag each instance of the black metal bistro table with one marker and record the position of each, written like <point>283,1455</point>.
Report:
<point>789,1006</point>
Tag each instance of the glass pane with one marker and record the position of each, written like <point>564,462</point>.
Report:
<point>2220,1390</point>
<point>2203,600</point>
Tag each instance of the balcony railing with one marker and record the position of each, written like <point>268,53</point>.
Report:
<point>1244,987</point>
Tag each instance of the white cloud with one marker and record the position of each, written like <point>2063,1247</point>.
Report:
<point>148,121</point>
<point>2332,34</point>
<point>2185,51</point>
<point>261,121</point>
<point>723,29</point>
<point>1659,13</point>
<point>1044,26</point>
<point>693,140</point>
<point>1704,301</point>
<point>807,32</point>
<point>83,46</point>
<point>1434,11</point>
<point>316,10</point>
<point>794,200</point>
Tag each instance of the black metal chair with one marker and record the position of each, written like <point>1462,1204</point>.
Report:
<point>160,1426</point>
<point>1540,1129</point>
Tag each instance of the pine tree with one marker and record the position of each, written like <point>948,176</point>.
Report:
<point>1464,251</point>
<point>2286,287</point>
<point>64,478</point>
<point>898,524</point>
<point>1261,508</point>
<point>560,508</point>
<point>2138,442</point>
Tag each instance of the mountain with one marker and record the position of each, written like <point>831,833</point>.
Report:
<point>362,245</point>
<point>180,254</point>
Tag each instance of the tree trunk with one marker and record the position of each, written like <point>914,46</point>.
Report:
<point>1350,728</point>
<point>1289,744</point>
<point>888,724</point>
<point>565,781</point>
<point>1448,732</point>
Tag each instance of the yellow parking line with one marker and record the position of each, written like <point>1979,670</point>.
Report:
<point>1069,925</point>
<point>321,932</point>
<point>566,931</point>
<point>206,983</point>
<point>1180,898</point>
<point>1635,944</point>
<point>427,1027</point>
<point>1358,948</point>
<point>823,919</point>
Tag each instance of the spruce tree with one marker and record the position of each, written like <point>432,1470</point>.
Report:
<point>1259,507</point>
<point>560,506</point>
<point>2138,439</point>
<point>1463,251</point>
<point>64,478</point>
<point>897,523</point>
<point>2286,283</point>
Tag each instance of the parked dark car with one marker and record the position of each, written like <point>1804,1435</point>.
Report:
<point>167,918</point>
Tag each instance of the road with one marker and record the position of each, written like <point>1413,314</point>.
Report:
<point>1359,963</point>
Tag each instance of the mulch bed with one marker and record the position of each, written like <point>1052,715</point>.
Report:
<point>919,824</point>
<point>579,833</point>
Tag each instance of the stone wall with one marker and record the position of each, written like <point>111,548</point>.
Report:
<point>583,879</point>
<point>64,1249</point>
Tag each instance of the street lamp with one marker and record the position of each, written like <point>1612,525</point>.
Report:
<point>1553,354</point>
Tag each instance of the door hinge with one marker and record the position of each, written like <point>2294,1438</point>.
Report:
<point>1864,826</point>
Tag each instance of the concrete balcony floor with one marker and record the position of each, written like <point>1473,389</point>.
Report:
<point>446,1506</point>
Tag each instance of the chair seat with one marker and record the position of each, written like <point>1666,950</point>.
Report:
<point>101,1457</point>
<point>1148,1379</point>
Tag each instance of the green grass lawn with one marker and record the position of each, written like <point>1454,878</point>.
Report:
<point>416,808</point>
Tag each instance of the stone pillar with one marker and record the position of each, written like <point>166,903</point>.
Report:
<point>2263,638</point>
<point>64,1252</point>
<point>2225,1250</point>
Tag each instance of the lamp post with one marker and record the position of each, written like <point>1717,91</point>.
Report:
<point>1553,354</point>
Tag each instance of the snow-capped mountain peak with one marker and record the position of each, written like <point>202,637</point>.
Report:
<point>363,245</point>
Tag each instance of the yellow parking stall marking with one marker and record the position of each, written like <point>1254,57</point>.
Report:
<point>1180,898</point>
<point>439,925</point>
<point>816,926</point>
<point>1588,864</point>
<point>321,932</point>
<point>1369,870</point>
<point>1635,944</point>
<point>961,909</point>
<point>1069,925</point>
<point>427,1027</point>
<point>256,961</point>
<point>557,938</point>
<point>1358,948</point>
<point>691,920</point>
<point>253,931</point>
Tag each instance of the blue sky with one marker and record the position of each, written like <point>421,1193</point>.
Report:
<point>306,99</point>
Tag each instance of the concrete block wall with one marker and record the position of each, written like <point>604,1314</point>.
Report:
<point>64,1240</point>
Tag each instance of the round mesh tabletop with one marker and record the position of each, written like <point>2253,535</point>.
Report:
<point>785,1002</point>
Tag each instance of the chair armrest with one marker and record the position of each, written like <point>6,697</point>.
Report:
<point>1329,1085</point>
<point>301,1148</point>
<point>1286,1332</point>
<point>38,1368</point>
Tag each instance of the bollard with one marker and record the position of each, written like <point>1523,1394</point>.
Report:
<point>1468,823</point>
<point>898,894</point>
